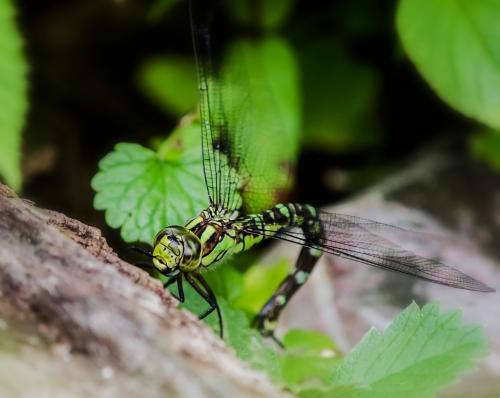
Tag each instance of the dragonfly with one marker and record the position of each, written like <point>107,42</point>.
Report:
<point>183,252</point>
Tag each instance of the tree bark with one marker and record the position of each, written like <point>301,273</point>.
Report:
<point>76,320</point>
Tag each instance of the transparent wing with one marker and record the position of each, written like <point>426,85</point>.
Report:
<point>249,115</point>
<point>220,161</point>
<point>365,241</point>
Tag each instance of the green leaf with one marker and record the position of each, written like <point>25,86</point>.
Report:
<point>225,281</point>
<point>143,191</point>
<point>259,283</point>
<point>486,145</point>
<point>171,83</point>
<point>332,392</point>
<point>260,13</point>
<point>422,351</point>
<point>262,104</point>
<point>309,342</point>
<point>247,342</point>
<point>309,358</point>
<point>455,46</point>
<point>13,89</point>
<point>337,105</point>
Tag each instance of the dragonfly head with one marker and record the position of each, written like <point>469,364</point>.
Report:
<point>176,248</point>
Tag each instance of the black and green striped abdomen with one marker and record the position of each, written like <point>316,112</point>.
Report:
<point>285,216</point>
<point>280,220</point>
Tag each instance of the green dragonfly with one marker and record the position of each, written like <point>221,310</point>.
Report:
<point>224,228</point>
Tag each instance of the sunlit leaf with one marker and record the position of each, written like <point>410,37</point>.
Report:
<point>143,191</point>
<point>259,283</point>
<point>422,351</point>
<point>455,45</point>
<point>308,341</point>
<point>309,358</point>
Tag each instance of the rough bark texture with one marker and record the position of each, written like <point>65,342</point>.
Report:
<point>78,321</point>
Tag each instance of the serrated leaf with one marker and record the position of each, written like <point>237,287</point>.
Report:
<point>13,89</point>
<point>171,82</point>
<point>143,192</point>
<point>455,45</point>
<point>422,351</point>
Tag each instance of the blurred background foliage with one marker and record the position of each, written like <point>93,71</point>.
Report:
<point>369,85</point>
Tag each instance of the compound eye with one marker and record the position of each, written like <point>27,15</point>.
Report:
<point>160,235</point>
<point>174,244</point>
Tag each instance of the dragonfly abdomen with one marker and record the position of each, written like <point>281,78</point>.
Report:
<point>284,216</point>
<point>278,222</point>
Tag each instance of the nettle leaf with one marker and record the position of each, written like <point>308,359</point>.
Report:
<point>422,351</point>
<point>13,89</point>
<point>143,191</point>
<point>455,45</point>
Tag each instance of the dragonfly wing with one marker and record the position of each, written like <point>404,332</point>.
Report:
<point>248,148</point>
<point>362,240</point>
<point>220,157</point>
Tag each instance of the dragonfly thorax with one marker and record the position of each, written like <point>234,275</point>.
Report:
<point>177,248</point>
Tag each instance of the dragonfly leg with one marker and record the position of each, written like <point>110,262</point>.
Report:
<point>206,313</point>
<point>141,250</point>
<point>145,266</point>
<point>267,319</point>
<point>180,288</point>
<point>201,286</point>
